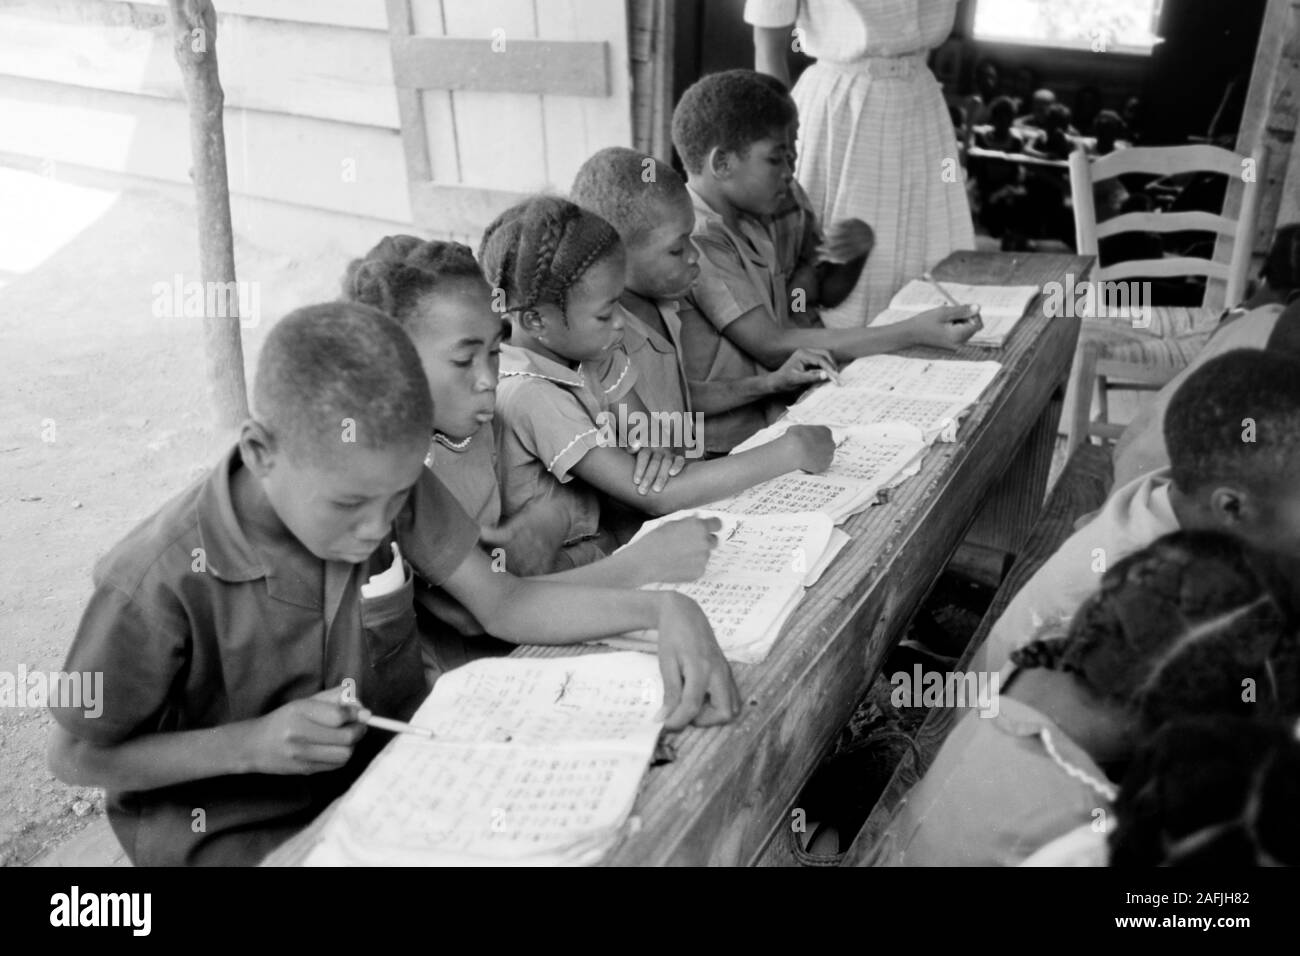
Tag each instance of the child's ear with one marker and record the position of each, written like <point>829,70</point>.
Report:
<point>531,321</point>
<point>1233,508</point>
<point>257,447</point>
<point>718,162</point>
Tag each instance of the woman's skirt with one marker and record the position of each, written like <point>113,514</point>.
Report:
<point>876,143</point>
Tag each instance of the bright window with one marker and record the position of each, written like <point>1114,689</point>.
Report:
<point>1102,26</point>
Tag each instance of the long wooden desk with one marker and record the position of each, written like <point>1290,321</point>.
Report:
<point>731,790</point>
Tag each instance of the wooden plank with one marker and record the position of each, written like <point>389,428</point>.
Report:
<point>1270,114</point>
<point>415,136</point>
<point>1082,488</point>
<point>293,159</point>
<point>500,137</point>
<point>731,790</point>
<point>294,68</point>
<point>577,126</point>
<point>570,68</point>
<point>1167,222</point>
<point>445,208</point>
<point>437,110</point>
<point>1169,267</point>
<point>342,13</point>
<point>1167,161</point>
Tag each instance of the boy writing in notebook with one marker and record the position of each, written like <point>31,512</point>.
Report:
<point>1233,432</point>
<point>732,130</point>
<point>241,641</point>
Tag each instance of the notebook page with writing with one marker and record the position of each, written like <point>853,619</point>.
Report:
<point>1001,307</point>
<point>540,764</point>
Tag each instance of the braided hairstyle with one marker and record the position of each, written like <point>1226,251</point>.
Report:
<point>539,249</point>
<point>1180,628</point>
<point>1211,791</point>
<point>1282,265</point>
<point>400,270</point>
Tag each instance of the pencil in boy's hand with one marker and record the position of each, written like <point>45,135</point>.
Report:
<point>396,726</point>
<point>942,291</point>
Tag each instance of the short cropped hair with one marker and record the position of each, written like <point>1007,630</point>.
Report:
<point>323,366</point>
<point>1236,419</point>
<point>730,111</point>
<point>626,189</point>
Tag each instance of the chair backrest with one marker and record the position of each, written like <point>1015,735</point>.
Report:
<point>1225,280</point>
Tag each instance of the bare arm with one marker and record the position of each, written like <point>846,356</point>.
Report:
<point>609,470</point>
<point>770,47</point>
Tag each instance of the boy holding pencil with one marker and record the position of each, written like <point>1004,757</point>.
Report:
<point>732,132</point>
<point>249,628</point>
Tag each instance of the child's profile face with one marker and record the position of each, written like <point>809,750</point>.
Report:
<point>1275,526</point>
<point>341,507</point>
<point>759,179</point>
<point>591,325</point>
<point>458,337</point>
<point>662,264</point>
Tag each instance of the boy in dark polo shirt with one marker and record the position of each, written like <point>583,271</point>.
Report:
<point>241,654</point>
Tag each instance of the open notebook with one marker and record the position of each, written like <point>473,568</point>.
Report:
<point>780,534</point>
<point>1001,306</point>
<point>754,579</point>
<point>536,762</point>
<point>929,395</point>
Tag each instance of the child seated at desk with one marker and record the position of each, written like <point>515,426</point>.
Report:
<point>654,219</point>
<point>437,293</point>
<point>1269,319</point>
<point>241,643</point>
<point>1233,431</point>
<point>560,271</point>
<point>1176,630</point>
<point>732,130</point>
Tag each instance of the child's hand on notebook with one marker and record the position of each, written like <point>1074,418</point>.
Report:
<point>946,327</point>
<point>654,466</point>
<point>815,447</point>
<point>804,367</point>
<point>306,736</point>
<point>677,551</point>
<point>846,240</point>
<point>698,686</point>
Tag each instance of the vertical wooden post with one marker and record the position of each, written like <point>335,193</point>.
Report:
<point>194,42</point>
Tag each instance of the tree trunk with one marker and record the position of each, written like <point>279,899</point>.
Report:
<point>194,42</point>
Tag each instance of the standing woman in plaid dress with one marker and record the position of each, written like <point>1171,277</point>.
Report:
<point>875,138</point>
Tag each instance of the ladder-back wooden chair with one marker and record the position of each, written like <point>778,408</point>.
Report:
<point>1121,353</point>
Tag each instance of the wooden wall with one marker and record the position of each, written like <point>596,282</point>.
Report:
<point>312,119</point>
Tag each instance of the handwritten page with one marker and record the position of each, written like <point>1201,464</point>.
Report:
<point>754,579</point>
<point>1001,307</point>
<point>537,762</point>
<point>836,405</point>
<point>897,375</point>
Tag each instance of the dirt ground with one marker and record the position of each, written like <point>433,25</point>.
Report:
<point>104,414</point>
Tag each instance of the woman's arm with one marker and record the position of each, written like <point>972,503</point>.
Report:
<point>771,44</point>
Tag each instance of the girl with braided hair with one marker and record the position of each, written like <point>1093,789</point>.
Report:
<point>1189,625</point>
<point>558,272</point>
<point>436,292</point>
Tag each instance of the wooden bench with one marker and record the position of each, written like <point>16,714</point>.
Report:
<point>1082,488</point>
